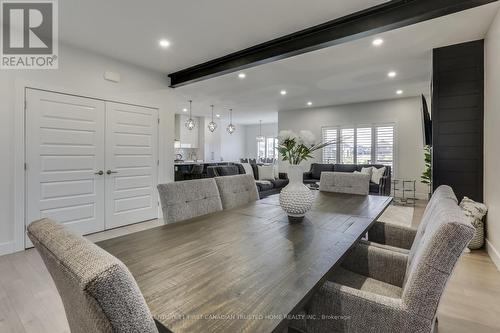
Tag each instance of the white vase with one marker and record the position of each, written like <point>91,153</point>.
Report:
<point>296,199</point>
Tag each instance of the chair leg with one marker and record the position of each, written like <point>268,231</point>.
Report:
<point>436,328</point>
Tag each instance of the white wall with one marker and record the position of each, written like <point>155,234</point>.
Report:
<point>492,138</point>
<point>404,112</point>
<point>222,145</point>
<point>252,131</point>
<point>233,145</point>
<point>79,72</point>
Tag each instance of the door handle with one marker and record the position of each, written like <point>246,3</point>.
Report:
<point>100,173</point>
<point>110,172</point>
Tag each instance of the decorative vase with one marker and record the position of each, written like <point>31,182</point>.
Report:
<point>296,199</point>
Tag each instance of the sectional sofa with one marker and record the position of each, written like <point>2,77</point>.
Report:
<point>382,188</point>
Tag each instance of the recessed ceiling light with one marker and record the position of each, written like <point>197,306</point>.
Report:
<point>283,92</point>
<point>378,42</point>
<point>164,43</point>
<point>217,115</point>
<point>392,74</point>
<point>399,92</point>
<point>184,110</point>
<point>242,75</point>
<point>309,103</point>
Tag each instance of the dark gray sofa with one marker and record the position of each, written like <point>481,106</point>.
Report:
<point>384,188</point>
<point>265,190</point>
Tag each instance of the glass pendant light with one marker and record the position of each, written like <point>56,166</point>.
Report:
<point>260,137</point>
<point>212,126</point>
<point>231,128</point>
<point>190,124</point>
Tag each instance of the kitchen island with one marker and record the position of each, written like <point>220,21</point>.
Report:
<point>182,169</point>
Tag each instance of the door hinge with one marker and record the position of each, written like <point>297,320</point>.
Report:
<point>25,105</point>
<point>25,166</point>
<point>158,120</point>
<point>158,162</point>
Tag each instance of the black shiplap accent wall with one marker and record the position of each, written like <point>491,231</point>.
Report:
<point>458,118</point>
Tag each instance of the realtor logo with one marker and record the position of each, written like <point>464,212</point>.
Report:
<point>29,35</point>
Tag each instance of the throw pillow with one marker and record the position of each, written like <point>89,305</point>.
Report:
<point>368,171</point>
<point>266,172</point>
<point>377,174</point>
<point>248,168</point>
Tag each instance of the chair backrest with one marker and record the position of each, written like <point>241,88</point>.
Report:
<point>432,260</point>
<point>197,169</point>
<point>224,170</point>
<point>98,292</point>
<point>187,199</point>
<point>237,190</point>
<point>344,182</point>
<point>442,192</point>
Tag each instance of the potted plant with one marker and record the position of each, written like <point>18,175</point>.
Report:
<point>296,199</point>
<point>426,177</point>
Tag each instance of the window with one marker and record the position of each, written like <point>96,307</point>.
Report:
<point>330,152</point>
<point>272,148</point>
<point>268,148</point>
<point>362,144</point>
<point>347,146</point>
<point>384,150</point>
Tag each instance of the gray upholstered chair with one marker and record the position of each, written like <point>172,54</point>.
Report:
<point>345,182</point>
<point>379,290</point>
<point>188,199</point>
<point>401,238</point>
<point>98,292</point>
<point>237,190</point>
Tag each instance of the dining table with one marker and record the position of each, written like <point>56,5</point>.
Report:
<point>246,269</point>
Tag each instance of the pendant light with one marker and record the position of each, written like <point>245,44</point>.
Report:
<point>260,137</point>
<point>190,124</point>
<point>231,128</point>
<point>212,126</point>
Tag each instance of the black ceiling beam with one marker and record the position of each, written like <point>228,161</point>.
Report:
<point>388,16</point>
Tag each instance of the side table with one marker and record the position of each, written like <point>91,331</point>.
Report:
<point>404,192</point>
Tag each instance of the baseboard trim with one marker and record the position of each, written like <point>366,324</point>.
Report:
<point>6,248</point>
<point>493,253</point>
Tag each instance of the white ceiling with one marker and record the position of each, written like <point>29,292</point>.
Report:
<point>202,30</point>
<point>198,30</point>
<point>342,74</point>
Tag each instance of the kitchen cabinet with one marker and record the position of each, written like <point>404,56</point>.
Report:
<point>185,138</point>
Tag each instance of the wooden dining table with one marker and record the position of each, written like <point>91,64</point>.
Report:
<point>245,269</point>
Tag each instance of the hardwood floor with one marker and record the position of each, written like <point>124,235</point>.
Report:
<point>29,301</point>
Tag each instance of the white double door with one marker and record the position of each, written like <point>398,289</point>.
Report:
<point>91,164</point>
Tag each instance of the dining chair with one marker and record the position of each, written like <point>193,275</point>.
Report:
<point>188,199</point>
<point>237,190</point>
<point>401,238</point>
<point>345,182</point>
<point>379,290</point>
<point>98,292</point>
